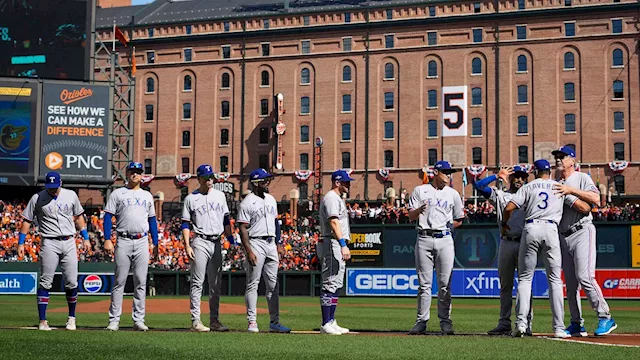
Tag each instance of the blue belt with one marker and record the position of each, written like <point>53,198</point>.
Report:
<point>132,235</point>
<point>538,221</point>
<point>434,233</point>
<point>265,238</point>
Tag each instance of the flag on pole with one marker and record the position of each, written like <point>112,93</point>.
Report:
<point>598,179</point>
<point>120,35</point>
<point>464,177</point>
<point>133,62</point>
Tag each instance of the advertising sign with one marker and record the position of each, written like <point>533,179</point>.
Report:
<point>18,283</point>
<point>366,247</point>
<point>18,114</point>
<point>92,284</point>
<point>75,132</point>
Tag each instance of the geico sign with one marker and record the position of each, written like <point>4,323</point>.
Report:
<point>387,282</point>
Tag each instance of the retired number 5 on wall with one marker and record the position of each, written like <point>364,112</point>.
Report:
<point>454,111</point>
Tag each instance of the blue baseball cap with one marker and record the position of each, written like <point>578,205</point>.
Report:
<point>135,166</point>
<point>204,170</point>
<point>341,175</point>
<point>565,150</point>
<point>259,175</point>
<point>52,180</point>
<point>542,164</point>
<point>519,169</point>
<point>444,166</point>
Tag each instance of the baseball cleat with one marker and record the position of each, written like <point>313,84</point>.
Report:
<point>500,330</point>
<point>419,328</point>
<point>253,327</point>
<point>529,332</point>
<point>605,327</point>
<point>340,328</point>
<point>561,334</point>
<point>71,323</point>
<point>44,326</point>
<point>113,326</point>
<point>329,329</point>
<point>216,325</point>
<point>519,331</point>
<point>447,328</point>
<point>576,329</point>
<point>278,328</point>
<point>199,327</point>
<point>140,326</point>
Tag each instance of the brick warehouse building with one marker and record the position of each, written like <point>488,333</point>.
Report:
<point>367,78</point>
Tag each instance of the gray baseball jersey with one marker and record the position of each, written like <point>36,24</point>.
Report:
<point>516,221</point>
<point>55,215</point>
<point>332,205</point>
<point>443,206</point>
<point>571,216</point>
<point>206,211</point>
<point>132,208</point>
<point>260,215</point>
<point>539,201</point>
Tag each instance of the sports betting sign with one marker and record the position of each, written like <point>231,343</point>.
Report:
<point>75,132</point>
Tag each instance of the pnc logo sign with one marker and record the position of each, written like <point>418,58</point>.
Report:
<point>55,161</point>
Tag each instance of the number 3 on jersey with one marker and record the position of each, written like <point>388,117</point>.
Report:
<point>544,202</point>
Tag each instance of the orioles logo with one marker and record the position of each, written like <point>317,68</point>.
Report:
<point>11,136</point>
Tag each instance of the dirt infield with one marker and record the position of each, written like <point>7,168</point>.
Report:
<point>626,340</point>
<point>158,306</point>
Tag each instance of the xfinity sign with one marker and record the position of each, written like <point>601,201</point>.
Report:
<point>76,132</point>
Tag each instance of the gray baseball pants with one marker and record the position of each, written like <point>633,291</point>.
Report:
<point>267,264</point>
<point>54,252</point>
<point>130,254</point>
<point>332,265</point>
<point>438,252</point>
<point>579,265</point>
<point>208,261</point>
<point>540,238</point>
<point>507,264</point>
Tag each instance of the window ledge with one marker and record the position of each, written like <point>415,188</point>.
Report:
<point>186,91</point>
<point>345,141</point>
<point>522,103</point>
<point>432,137</point>
<point>305,114</point>
<point>389,110</point>
<point>522,134</point>
<point>472,74</point>
<point>225,118</point>
<point>617,66</point>
<point>223,145</point>
<point>147,148</point>
<point>265,86</point>
<point>477,105</point>
<point>432,107</point>
<point>185,147</point>
<point>304,142</point>
<point>388,139</point>
<point>149,93</point>
<point>570,132</point>
<point>569,69</point>
<point>263,116</point>
<point>476,136</point>
<point>432,77</point>
<point>305,84</point>
<point>148,121</point>
<point>568,101</point>
<point>389,79</point>
<point>522,72</point>
<point>617,130</point>
<point>346,82</point>
<point>225,88</point>
<point>617,99</point>
<point>346,112</point>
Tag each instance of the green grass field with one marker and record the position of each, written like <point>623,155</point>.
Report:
<point>470,316</point>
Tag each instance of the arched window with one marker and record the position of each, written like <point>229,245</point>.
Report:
<point>151,85</point>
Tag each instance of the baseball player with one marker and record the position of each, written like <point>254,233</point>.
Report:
<point>136,218</point>
<point>259,232</point>
<point>578,244</point>
<point>509,245</point>
<point>58,213</point>
<point>206,210</point>
<point>332,249</point>
<point>542,212</point>
<point>438,209</point>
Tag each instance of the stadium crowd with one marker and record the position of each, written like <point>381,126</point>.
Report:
<point>299,238</point>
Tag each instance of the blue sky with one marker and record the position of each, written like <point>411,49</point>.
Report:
<point>139,2</point>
